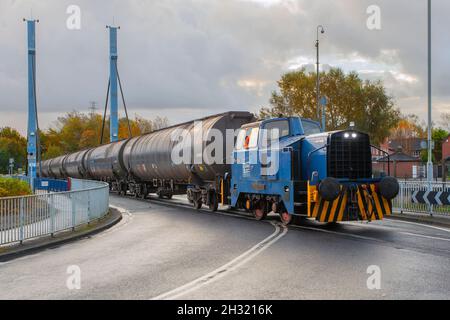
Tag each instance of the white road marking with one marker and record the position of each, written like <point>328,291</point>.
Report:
<point>421,224</point>
<point>280,231</point>
<point>424,236</point>
<point>338,233</point>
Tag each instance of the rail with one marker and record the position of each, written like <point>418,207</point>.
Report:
<point>404,201</point>
<point>28,217</point>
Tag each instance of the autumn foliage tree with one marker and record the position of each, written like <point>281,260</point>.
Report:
<point>12,145</point>
<point>349,99</point>
<point>76,131</point>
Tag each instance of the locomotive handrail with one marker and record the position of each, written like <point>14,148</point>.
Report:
<point>314,151</point>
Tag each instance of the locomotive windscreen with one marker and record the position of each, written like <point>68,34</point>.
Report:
<point>349,155</point>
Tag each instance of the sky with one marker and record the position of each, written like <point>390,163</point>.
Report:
<point>185,59</point>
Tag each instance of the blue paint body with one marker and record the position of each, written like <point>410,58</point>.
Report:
<point>32,123</point>
<point>302,159</point>
<point>114,116</point>
<point>313,158</point>
<point>250,176</point>
<point>51,185</point>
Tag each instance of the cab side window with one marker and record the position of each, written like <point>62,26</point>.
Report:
<point>281,125</point>
<point>310,127</point>
<point>247,138</point>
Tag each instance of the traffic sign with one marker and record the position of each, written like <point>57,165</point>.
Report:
<point>441,198</point>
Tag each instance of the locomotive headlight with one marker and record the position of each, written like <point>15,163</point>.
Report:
<point>286,189</point>
<point>347,135</point>
<point>354,135</point>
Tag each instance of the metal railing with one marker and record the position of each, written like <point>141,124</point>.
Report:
<point>404,203</point>
<point>28,217</point>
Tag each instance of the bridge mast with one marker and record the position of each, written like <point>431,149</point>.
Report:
<point>33,134</point>
<point>114,118</point>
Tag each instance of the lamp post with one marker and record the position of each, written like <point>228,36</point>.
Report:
<point>430,150</point>
<point>322,30</point>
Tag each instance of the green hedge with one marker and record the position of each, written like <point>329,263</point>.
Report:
<point>13,187</point>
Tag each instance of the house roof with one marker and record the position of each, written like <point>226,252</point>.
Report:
<point>400,157</point>
<point>413,143</point>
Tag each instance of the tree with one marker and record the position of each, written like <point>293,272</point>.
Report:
<point>445,121</point>
<point>438,135</point>
<point>408,126</point>
<point>349,99</point>
<point>12,145</point>
<point>77,131</point>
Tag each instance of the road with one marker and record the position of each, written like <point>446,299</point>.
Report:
<point>169,252</point>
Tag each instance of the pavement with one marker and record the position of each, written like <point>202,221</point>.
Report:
<point>16,250</point>
<point>171,252</point>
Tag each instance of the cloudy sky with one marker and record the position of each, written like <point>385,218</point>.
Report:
<point>187,58</point>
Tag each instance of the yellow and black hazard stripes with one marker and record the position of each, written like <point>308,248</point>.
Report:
<point>365,203</point>
<point>366,200</point>
<point>371,204</point>
<point>383,206</point>
<point>330,211</point>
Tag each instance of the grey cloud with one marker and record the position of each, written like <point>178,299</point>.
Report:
<point>181,55</point>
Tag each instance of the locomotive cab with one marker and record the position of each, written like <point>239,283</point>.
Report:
<point>266,171</point>
<point>288,166</point>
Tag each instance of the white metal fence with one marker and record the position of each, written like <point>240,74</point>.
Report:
<point>404,203</point>
<point>33,216</point>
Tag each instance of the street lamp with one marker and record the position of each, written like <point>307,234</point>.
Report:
<point>430,150</point>
<point>321,30</point>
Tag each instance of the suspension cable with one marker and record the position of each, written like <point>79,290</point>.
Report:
<point>130,135</point>
<point>104,113</point>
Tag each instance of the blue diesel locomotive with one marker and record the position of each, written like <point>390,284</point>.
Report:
<point>299,171</point>
<point>321,175</point>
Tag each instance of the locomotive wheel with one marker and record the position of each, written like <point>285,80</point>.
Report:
<point>160,195</point>
<point>259,211</point>
<point>286,218</point>
<point>198,204</point>
<point>143,192</point>
<point>259,214</point>
<point>169,196</point>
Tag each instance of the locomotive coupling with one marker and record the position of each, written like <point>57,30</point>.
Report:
<point>389,187</point>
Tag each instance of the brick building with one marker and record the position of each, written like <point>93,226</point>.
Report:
<point>400,165</point>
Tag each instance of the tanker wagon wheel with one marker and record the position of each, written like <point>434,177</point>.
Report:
<point>198,204</point>
<point>143,193</point>
<point>213,202</point>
